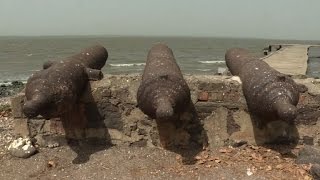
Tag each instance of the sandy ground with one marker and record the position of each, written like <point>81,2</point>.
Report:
<point>90,160</point>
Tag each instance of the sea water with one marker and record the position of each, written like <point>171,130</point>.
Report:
<point>22,56</point>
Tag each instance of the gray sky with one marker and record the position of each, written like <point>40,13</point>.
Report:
<point>284,19</point>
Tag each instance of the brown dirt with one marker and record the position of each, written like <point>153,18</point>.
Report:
<point>88,161</point>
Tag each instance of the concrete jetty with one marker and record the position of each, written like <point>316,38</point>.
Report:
<point>291,59</point>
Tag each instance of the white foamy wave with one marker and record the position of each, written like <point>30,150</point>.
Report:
<point>204,70</point>
<point>127,65</point>
<point>211,62</point>
<point>9,82</point>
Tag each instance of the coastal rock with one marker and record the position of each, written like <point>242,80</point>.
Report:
<point>315,171</point>
<point>308,155</point>
<point>22,148</point>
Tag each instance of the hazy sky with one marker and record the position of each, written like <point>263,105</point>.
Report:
<point>285,19</point>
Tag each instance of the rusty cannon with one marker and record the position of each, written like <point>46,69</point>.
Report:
<point>270,94</point>
<point>163,91</point>
<point>54,90</point>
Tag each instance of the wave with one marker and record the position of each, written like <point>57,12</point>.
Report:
<point>204,70</point>
<point>211,62</point>
<point>9,82</point>
<point>127,65</point>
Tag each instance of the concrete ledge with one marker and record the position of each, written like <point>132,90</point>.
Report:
<point>218,116</point>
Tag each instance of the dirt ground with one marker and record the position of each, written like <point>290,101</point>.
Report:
<point>91,160</point>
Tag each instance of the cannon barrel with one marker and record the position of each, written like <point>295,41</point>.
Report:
<point>54,90</point>
<point>269,93</point>
<point>163,91</point>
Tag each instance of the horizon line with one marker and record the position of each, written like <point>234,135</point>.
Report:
<point>150,36</point>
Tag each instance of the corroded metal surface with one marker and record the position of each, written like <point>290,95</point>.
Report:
<point>163,91</point>
<point>269,93</point>
<point>54,90</point>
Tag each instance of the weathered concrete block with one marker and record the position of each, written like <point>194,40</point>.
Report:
<point>36,126</point>
<point>17,102</point>
<point>215,126</point>
<point>21,127</point>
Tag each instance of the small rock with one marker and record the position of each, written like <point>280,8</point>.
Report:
<point>308,155</point>
<point>279,166</point>
<point>269,168</point>
<point>249,172</point>
<point>222,71</point>
<point>315,171</point>
<point>257,157</point>
<point>40,140</point>
<point>308,140</point>
<point>254,147</point>
<point>238,143</point>
<point>51,164</point>
<point>236,78</point>
<point>225,150</point>
<point>22,148</point>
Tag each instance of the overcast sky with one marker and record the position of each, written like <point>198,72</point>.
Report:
<point>284,19</point>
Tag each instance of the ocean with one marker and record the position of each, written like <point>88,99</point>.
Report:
<point>22,56</point>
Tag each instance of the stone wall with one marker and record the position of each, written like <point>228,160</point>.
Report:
<point>216,117</point>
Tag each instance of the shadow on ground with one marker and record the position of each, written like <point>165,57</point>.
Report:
<point>272,133</point>
<point>86,132</point>
<point>184,135</point>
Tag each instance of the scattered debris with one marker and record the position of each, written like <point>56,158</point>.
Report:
<point>53,145</point>
<point>258,159</point>
<point>229,150</point>
<point>22,148</point>
<point>5,110</point>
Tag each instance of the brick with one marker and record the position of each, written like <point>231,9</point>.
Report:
<point>203,96</point>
